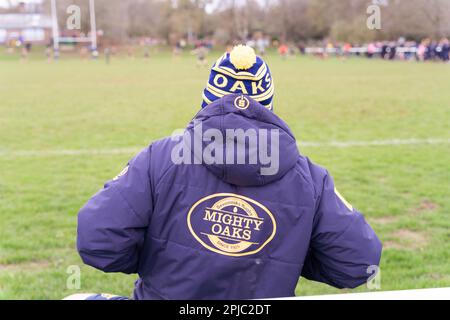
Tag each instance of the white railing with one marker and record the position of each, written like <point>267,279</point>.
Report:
<point>421,294</point>
<point>319,50</point>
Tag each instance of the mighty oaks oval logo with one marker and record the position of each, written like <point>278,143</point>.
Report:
<point>231,224</point>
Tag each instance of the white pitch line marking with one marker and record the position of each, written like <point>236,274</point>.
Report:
<point>133,150</point>
<point>375,143</point>
<point>68,152</point>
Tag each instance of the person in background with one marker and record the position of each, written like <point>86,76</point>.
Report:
<point>430,54</point>
<point>422,50</point>
<point>371,50</point>
<point>262,43</point>
<point>107,53</point>
<point>445,50</point>
<point>177,49</point>
<point>25,50</point>
<point>301,48</point>
<point>201,52</point>
<point>347,50</point>
<point>283,50</point>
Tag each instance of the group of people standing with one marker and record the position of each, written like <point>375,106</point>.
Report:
<point>425,50</point>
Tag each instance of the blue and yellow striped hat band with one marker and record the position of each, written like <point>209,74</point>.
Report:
<point>240,71</point>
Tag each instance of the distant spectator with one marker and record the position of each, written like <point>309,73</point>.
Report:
<point>201,51</point>
<point>371,50</point>
<point>346,49</point>
<point>283,50</point>
<point>301,48</point>
<point>422,50</point>
<point>443,50</point>
<point>261,44</point>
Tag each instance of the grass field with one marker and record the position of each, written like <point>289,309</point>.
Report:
<point>67,127</point>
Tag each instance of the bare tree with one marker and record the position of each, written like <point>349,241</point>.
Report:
<point>288,20</point>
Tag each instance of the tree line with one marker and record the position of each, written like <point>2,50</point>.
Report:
<point>226,21</point>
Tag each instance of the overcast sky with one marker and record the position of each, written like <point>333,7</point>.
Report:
<point>215,3</point>
<point>4,3</point>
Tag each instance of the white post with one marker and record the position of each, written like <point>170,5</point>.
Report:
<point>93,28</point>
<point>55,30</point>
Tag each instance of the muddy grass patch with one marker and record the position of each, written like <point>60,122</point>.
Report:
<point>26,266</point>
<point>383,220</point>
<point>405,239</point>
<point>425,206</point>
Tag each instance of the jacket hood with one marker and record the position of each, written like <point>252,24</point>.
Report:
<point>242,142</point>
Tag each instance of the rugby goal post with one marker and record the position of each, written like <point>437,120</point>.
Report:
<point>57,38</point>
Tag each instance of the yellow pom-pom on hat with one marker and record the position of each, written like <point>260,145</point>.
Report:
<point>227,77</point>
<point>243,57</point>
